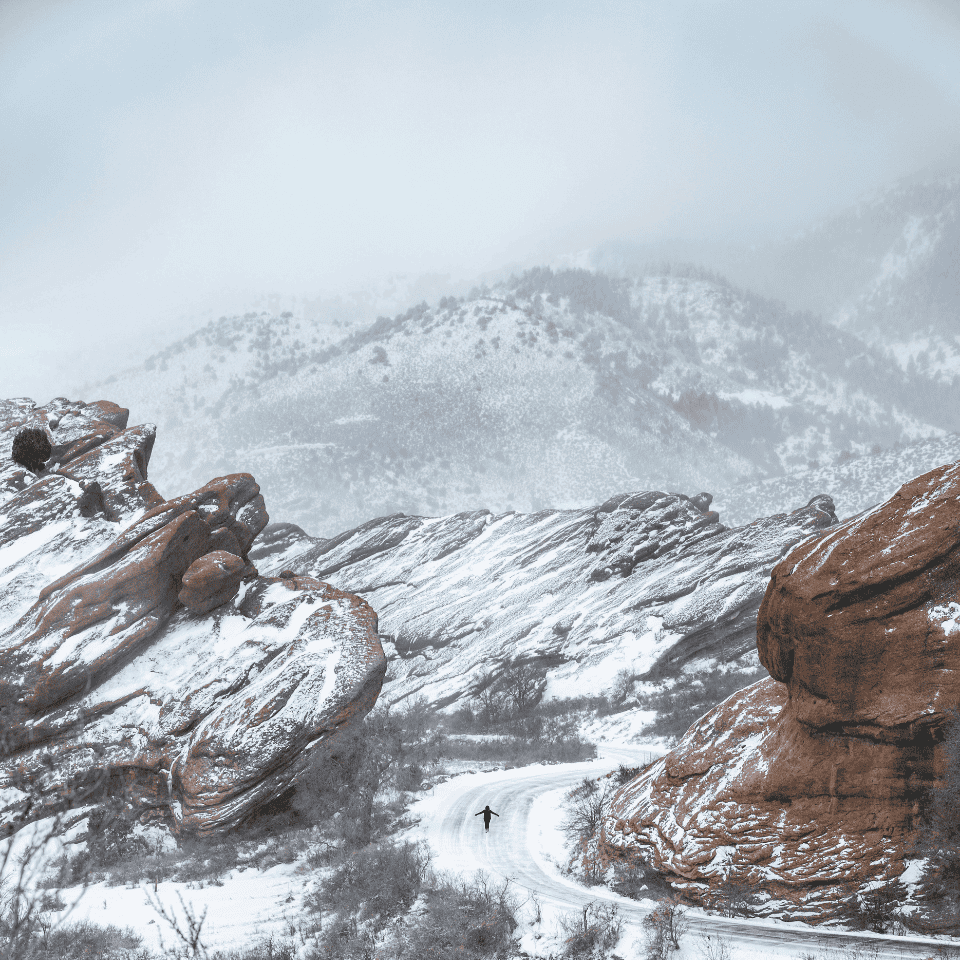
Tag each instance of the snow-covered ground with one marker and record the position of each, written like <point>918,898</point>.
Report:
<point>524,844</point>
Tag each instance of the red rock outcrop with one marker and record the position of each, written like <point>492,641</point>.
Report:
<point>813,779</point>
<point>213,580</point>
<point>121,655</point>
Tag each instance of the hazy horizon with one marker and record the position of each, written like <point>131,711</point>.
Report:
<point>168,161</point>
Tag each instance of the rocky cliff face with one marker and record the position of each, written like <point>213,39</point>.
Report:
<point>815,778</point>
<point>139,647</point>
<point>647,583</point>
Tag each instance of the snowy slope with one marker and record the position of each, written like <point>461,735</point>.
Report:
<point>647,584</point>
<point>854,484</point>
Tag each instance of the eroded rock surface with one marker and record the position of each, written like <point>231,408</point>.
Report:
<point>213,580</point>
<point>647,583</point>
<point>122,655</point>
<point>813,779</point>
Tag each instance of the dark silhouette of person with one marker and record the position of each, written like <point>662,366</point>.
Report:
<point>486,811</point>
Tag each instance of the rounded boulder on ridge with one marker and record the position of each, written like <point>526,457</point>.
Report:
<point>211,581</point>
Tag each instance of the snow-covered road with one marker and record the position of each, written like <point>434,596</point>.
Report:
<point>524,844</point>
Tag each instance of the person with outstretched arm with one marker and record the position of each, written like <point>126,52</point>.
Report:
<point>486,811</point>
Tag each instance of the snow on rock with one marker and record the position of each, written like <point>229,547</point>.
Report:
<point>812,779</point>
<point>645,583</point>
<point>123,658</point>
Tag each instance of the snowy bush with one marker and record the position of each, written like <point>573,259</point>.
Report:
<point>665,927</point>
<point>594,932</point>
<point>877,909</point>
<point>633,877</point>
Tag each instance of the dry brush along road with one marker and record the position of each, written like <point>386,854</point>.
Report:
<point>513,849</point>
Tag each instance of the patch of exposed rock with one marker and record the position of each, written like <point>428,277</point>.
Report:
<point>814,778</point>
<point>139,647</point>
<point>647,582</point>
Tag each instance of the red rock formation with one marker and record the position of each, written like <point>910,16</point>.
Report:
<point>104,630</point>
<point>213,580</point>
<point>861,624</point>
<point>813,779</point>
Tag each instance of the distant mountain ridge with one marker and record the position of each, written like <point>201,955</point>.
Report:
<point>887,265</point>
<point>853,483</point>
<point>551,389</point>
<point>886,268</point>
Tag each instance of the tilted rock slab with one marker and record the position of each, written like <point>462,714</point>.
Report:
<point>140,648</point>
<point>812,779</point>
<point>648,583</point>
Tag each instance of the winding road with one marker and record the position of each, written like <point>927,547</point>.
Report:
<point>514,849</point>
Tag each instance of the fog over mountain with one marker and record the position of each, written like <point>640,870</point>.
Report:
<point>405,260</point>
<point>166,163</point>
<point>550,389</point>
<point>392,393</point>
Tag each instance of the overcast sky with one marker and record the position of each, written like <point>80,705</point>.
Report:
<point>166,157</point>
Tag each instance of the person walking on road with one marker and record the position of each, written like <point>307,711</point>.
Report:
<point>486,811</point>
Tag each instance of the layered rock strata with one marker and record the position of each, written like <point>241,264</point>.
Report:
<point>814,779</point>
<point>140,648</point>
<point>648,583</point>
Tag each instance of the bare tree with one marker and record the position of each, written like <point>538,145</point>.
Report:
<point>187,931</point>
<point>588,805</point>
<point>665,927</point>
<point>736,898</point>
<point>594,932</point>
<point>522,688</point>
<point>23,926</point>
<point>713,947</point>
<point>491,704</point>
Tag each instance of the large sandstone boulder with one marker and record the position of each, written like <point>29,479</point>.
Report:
<point>814,779</point>
<point>213,580</point>
<point>122,655</point>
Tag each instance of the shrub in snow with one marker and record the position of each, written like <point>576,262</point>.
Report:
<point>633,877</point>
<point>31,448</point>
<point>877,909</point>
<point>460,918</point>
<point>736,898</point>
<point>665,926</point>
<point>593,933</point>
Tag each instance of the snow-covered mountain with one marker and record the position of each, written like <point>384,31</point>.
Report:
<point>887,269</point>
<point>550,390</point>
<point>854,483</point>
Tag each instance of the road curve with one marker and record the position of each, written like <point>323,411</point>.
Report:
<point>510,850</point>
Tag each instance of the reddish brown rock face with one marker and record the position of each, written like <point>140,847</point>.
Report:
<point>212,580</point>
<point>862,624</point>
<point>813,779</point>
<point>109,659</point>
<point>752,794</point>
